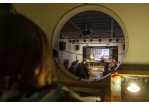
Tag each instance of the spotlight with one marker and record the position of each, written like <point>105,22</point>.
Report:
<point>110,40</point>
<point>99,40</point>
<point>84,40</point>
<point>77,40</point>
<point>70,41</point>
<point>91,40</point>
<point>73,40</point>
<point>117,40</point>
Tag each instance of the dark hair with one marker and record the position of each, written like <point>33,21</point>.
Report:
<point>23,45</point>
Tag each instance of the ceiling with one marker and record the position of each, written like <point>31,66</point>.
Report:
<point>103,26</point>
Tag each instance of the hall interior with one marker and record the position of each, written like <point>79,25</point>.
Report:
<point>133,16</point>
<point>87,37</point>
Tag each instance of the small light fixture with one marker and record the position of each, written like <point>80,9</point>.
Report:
<point>99,40</point>
<point>84,40</point>
<point>133,88</point>
<point>117,39</point>
<point>110,40</point>
<point>70,41</point>
<point>91,40</point>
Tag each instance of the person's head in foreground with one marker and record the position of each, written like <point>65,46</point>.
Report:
<point>25,56</point>
<point>25,59</point>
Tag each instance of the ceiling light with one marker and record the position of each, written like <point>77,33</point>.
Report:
<point>99,40</point>
<point>91,40</point>
<point>70,41</point>
<point>110,40</point>
<point>117,40</point>
<point>86,29</point>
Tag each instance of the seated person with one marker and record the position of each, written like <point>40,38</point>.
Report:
<point>106,69</point>
<point>114,61</point>
<point>110,60</point>
<point>72,68</point>
<point>89,58</point>
<point>118,63</point>
<point>66,65</point>
<point>105,59</point>
<point>84,61</point>
<point>76,63</point>
<point>27,71</point>
<point>81,70</point>
<point>102,61</point>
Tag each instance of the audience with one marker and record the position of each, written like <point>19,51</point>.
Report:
<point>72,68</point>
<point>80,70</point>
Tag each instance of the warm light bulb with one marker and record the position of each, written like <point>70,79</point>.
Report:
<point>133,88</point>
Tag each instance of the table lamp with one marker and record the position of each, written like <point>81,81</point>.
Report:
<point>133,88</point>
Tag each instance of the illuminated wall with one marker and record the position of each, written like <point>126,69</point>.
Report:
<point>134,16</point>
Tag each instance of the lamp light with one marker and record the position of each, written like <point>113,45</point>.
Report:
<point>133,88</point>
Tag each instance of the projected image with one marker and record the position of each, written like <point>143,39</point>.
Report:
<point>98,53</point>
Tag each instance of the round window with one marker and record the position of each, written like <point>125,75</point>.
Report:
<point>91,41</point>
